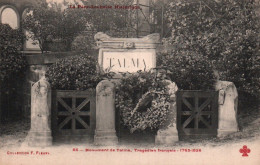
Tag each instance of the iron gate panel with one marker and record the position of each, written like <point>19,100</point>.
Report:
<point>73,115</point>
<point>197,114</point>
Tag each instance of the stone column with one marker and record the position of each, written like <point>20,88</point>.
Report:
<point>228,100</point>
<point>40,132</point>
<point>105,133</point>
<point>168,135</point>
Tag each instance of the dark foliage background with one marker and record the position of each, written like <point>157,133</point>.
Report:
<point>225,32</point>
<point>12,71</point>
<point>11,61</point>
<point>188,70</point>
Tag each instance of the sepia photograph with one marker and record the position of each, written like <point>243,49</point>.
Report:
<point>129,82</point>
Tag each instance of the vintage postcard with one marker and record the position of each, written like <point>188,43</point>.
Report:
<point>165,82</point>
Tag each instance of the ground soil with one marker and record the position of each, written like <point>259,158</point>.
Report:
<point>224,150</point>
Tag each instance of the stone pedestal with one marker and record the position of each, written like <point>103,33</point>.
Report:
<point>228,100</point>
<point>105,133</point>
<point>40,132</point>
<point>168,135</point>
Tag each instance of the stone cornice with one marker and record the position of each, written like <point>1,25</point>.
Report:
<point>148,42</point>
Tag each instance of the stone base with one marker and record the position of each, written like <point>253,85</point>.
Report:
<point>168,136</point>
<point>39,139</point>
<point>222,132</point>
<point>105,138</point>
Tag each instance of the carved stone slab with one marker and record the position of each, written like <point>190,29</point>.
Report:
<point>148,42</point>
<point>168,135</point>
<point>126,54</point>
<point>127,60</point>
<point>105,133</point>
<point>228,100</point>
<point>40,132</point>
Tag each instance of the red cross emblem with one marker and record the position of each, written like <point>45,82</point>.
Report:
<point>244,150</point>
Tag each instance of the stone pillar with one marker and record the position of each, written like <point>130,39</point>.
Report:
<point>33,74</point>
<point>40,132</point>
<point>105,133</point>
<point>228,100</point>
<point>168,135</point>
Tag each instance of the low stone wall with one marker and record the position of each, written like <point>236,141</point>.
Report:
<point>40,133</point>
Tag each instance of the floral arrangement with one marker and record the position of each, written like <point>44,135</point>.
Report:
<point>143,100</point>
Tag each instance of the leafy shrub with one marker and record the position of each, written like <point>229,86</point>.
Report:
<point>83,42</point>
<point>226,32</point>
<point>189,71</point>
<point>11,61</point>
<point>12,71</point>
<point>55,46</point>
<point>143,101</point>
<point>74,73</point>
<point>48,20</point>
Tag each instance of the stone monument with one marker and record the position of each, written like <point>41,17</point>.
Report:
<point>127,54</point>
<point>105,133</point>
<point>118,55</point>
<point>228,100</point>
<point>40,132</point>
<point>168,134</point>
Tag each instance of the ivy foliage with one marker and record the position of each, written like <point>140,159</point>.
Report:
<point>12,70</point>
<point>11,61</point>
<point>142,100</point>
<point>226,32</point>
<point>74,73</point>
<point>188,70</point>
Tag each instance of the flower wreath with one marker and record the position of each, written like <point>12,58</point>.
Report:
<point>148,111</point>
